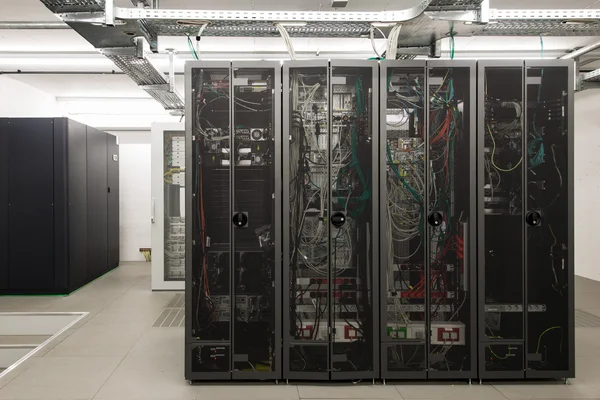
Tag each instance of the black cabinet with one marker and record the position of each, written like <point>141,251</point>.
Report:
<point>427,213</point>
<point>525,180</point>
<point>233,262</point>
<point>55,207</point>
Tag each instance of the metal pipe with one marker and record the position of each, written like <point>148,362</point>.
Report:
<point>581,51</point>
<point>34,25</point>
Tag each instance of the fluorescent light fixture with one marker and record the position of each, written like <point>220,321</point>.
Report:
<point>293,23</point>
<point>383,24</point>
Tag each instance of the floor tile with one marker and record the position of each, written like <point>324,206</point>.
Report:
<point>586,286</point>
<point>149,379</point>
<point>61,378</point>
<point>585,301</point>
<point>266,391</point>
<point>449,391</point>
<point>549,390</point>
<point>160,343</point>
<point>348,392</point>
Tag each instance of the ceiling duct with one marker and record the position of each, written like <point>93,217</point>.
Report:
<point>136,64</point>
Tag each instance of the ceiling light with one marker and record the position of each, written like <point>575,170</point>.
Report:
<point>293,23</point>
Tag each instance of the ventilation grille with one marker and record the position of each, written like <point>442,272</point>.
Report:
<point>66,6</point>
<point>584,319</point>
<point>173,315</point>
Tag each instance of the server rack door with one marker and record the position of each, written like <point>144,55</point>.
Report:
<point>208,291</point>
<point>77,200</point>
<point>450,215</point>
<point>4,229</point>
<point>31,210</point>
<point>353,279</point>
<point>548,220</point>
<point>256,340</point>
<point>97,204</point>
<point>112,157</point>
<point>402,204</point>
<point>172,212</point>
<point>305,244</point>
<point>500,225</point>
<point>168,206</point>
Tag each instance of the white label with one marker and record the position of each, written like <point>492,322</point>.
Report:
<point>240,81</point>
<point>338,80</point>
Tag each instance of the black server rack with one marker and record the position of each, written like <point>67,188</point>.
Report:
<point>330,260</point>
<point>233,276</point>
<point>525,200</point>
<point>45,205</point>
<point>428,215</point>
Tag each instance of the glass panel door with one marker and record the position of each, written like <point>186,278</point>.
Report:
<point>306,189</point>
<point>502,225</point>
<point>547,218</point>
<point>253,159</point>
<point>449,217</point>
<point>402,218</point>
<point>211,216</point>
<point>174,205</point>
<point>350,215</point>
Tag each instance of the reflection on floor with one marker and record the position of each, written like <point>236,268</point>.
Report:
<point>118,354</point>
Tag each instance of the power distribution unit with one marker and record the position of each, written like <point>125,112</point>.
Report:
<point>59,205</point>
<point>525,227</point>
<point>330,260</point>
<point>168,206</point>
<point>427,214</point>
<point>233,240</point>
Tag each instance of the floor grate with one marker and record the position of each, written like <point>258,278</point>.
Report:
<point>584,319</point>
<point>173,315</point>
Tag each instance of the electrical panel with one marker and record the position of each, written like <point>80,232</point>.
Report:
<point>525,198</point>
<point>233,306</point>
<point>427,212</point>
<point>330,258</point>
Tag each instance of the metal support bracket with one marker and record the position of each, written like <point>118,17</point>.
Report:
<point>109,12</point>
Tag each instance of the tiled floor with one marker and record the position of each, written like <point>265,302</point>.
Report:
<point>117,354</point>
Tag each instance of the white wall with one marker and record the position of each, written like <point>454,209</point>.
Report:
<point>587,183</point>
<point>134,199</point>
<point>21,100</point>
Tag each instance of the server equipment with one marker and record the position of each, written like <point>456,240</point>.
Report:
<point>330,258</point>
<point>59,205</point>
<point>525,226</point>
<point>168,206</point>
<point>427,213</point>
<point>233,271</point>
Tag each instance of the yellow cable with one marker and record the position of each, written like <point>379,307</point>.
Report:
<point>494,152</point>
<point>501,358</point>
<point>543,333</point>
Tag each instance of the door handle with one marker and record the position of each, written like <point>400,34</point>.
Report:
<point>152,219</point>
<point>533,218</point>
<point>338,219</point>
<point>240,219</point>
<point>435,218</point>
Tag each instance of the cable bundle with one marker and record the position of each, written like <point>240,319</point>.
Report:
<point>392,43</point>
<point>286,38</point>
